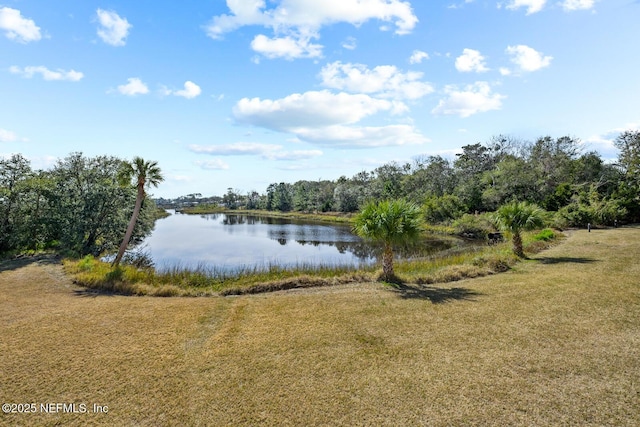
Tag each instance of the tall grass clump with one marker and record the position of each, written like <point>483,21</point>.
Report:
<point>203,279</point>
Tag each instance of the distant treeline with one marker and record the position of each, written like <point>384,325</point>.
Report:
<point>553,173</point>
<point>80,206</point>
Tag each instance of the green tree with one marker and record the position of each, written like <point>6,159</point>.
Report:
<point>390,222</point>
<point>469,167</point>
<point>283,197</point>
<point>232,198</point>
<point>628,143</point>
<point>87,206</point>
<point>145,174</point>
<point>552,161</point>
<point>442,209</point>
<point>511,178</point>
<point>14,173</point>
<point>430,176</point>
<point>516,217</point>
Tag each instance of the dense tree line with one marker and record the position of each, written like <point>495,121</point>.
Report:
<point>81,205</point>
<point>553,173</point>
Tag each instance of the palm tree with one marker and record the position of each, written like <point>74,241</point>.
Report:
<point>390,222</point>
<point>516,217</point>
<point>145,174</point>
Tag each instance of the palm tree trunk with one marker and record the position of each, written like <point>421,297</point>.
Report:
<point>517,245</point>
<point>132,224</point>
<point>387,263</point>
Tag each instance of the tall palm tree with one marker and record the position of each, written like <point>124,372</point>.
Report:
<point>516,217</point>
<point>390,222</point>
<point>145,174</point>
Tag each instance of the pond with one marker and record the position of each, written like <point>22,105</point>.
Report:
<point>234,241</point>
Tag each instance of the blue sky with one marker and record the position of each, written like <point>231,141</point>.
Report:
<point>243,93</point>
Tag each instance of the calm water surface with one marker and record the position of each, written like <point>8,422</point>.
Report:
<point>230,241</point>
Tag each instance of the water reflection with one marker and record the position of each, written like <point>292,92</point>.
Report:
<point>230,241</point>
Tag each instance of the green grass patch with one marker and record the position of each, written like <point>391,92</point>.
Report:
<point>546,235</point>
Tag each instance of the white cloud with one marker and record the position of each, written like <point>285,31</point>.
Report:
<point>47,74</point>
<point>213,164</point>
<point>295,22</point>
<point>286,47</point>
<point>604,143</point>
<point>418,56</point>
<point>473,99</point>
<point>236,149</point>
<point>7,136</point>
<point>180,178</point>
<point>191,90</point>
<point>459,5</point>
<point>385,80</point>
<point>266,151</point>
<point>350,43</point>
<point>571,5</point>
<point>309,109</point>
<point>294,155</point>
<point>471,61</point>
<point>326,118</point>
<point>533,6</point>
<point>363,136</point>
<point>17,27</point>
<point>134,87</point>
<point>528,59</point>
<point>113,29</point>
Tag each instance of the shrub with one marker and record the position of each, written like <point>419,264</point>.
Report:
<point>473,226</point>
<point>87,263</point>
<point>442,209</point>
<point>546,235</point>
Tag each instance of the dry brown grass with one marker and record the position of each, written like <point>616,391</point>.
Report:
<point>554,341</point>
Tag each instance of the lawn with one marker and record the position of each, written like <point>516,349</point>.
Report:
<point>554,341</point>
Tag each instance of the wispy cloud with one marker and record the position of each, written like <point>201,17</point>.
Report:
<point>59,74</point>
<point>7,136</point>
<point>350,43</point>
<point>266,151</point>
<point>212,164</point>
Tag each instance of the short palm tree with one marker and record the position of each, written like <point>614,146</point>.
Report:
<point>390,222</point>
<point>145,174</point>
<point>516,217</point>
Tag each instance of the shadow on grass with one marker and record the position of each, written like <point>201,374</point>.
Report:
<point>92,293</point>
<point>433,294</point>
<point>564,259</point>
<point>18,263</point>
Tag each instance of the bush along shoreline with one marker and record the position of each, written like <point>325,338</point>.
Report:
<point>448,266</point>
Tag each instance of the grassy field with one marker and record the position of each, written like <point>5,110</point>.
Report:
<point>554,341</point>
